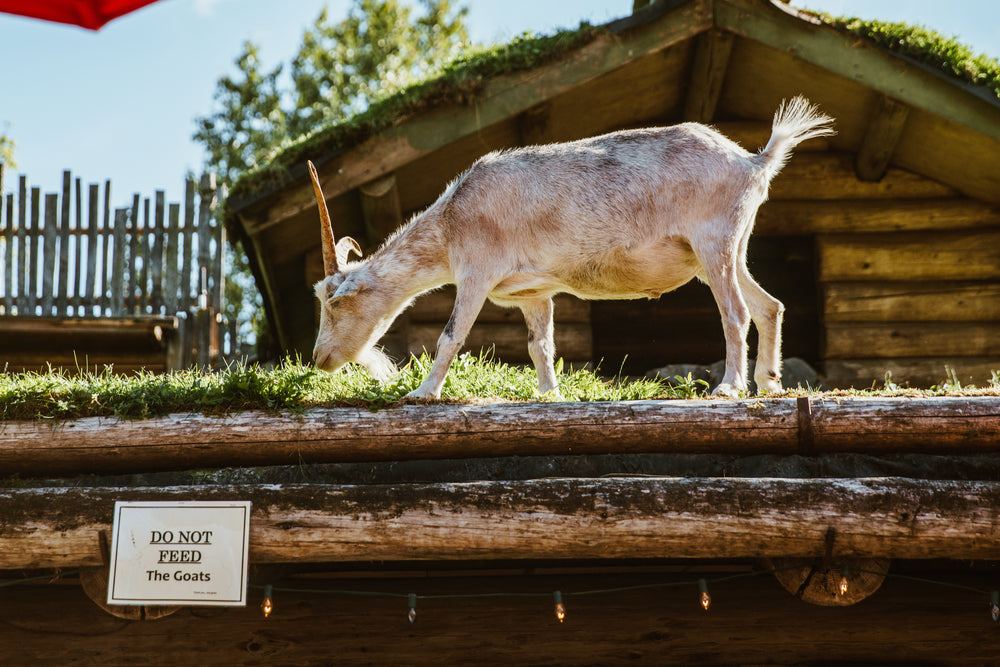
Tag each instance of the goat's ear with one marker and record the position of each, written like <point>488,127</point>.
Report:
<point>354,284</point>
<point>345,246</point>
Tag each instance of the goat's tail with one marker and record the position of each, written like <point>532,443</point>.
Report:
<point>795,121</point>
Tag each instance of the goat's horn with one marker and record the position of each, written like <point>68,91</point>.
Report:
<point>325,226</point>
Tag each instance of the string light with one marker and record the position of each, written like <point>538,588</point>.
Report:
<point>844,572</point>
<point>995,605</point>
<point>267,606</point>
<point>560,607</point>
<point>412,602</point>
<point>706,599</point>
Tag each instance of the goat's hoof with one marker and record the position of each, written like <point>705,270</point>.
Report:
<point>769,386</point>
<point>417,396</point>
<point>726,391</point>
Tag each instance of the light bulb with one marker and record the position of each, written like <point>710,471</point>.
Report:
<point>844,572</point>
<point>412,601</point>
<point>995,605</point>
<point>267,606</point>
<point>560,608</point>
<point>706,599</point>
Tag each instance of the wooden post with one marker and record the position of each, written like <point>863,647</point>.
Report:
<point>22,220</point>
<point>62,291</point>
<point>708,73</point>
<point>49,254</point>
<point>76,239</point>
<point>145,250</point>
<point>106,253</point>
<point>156,256</point>
<point>188,298</point>
<point>118,263</point>
<point>132,298</point>
<point>881,137</point>
<point>32,245</point>
<point>172,270</point>
<point>92,297</point>
<point>8,249</point>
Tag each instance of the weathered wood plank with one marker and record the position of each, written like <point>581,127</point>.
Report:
<point>711,58</point>
<point>118,266</point>
<point>911,301</point>
<point>8,248</point>
<point>93,231</point>
<point>49,252</point>
<point>107,232</point>
<point>820,175</point>
<point>792,217</point>
<point>132,300</point>
<point>912,339</point>
<point>752,621</point>
<point>913,372</point>
<point>652,517</point>
<point>922,256</point>
<point>172,270</point>
<point>33,245</point>
<point>156,256</point>
<point>22,219</point>
<point>62,289</point>
<point>883,133</point>
<point>187,300</point>
<point>932,425</point>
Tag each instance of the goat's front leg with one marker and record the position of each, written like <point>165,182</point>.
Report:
<point>541,347</point>
<point>468,302</point>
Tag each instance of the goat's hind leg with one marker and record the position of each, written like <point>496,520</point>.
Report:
<point>541,347</point>
<point>767,314</point>
<point>720,267</point>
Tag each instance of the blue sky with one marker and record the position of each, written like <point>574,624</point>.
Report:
<point>121,103</point>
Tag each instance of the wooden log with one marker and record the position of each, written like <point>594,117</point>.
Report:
<point>912,372</point>
<point>651,517</point>
<point>912,339</point>
<point>969,255</point>
<point>939,425</point>
<point>911,301</point>
<point>794,217</point>
<point>831,176</point>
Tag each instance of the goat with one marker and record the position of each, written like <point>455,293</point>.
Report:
<point>626,215</point>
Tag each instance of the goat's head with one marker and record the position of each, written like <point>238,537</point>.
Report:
<point>350,315</point>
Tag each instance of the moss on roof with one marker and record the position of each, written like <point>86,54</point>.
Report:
<point>927,46</point>
<point>461,80</point>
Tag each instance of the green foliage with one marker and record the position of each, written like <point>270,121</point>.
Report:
<point>927,46</point>
<point>7,146</point>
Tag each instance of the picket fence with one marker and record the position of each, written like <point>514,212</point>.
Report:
<point>147,260</point>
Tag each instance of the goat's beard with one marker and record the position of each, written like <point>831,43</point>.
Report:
<point>378,364</point>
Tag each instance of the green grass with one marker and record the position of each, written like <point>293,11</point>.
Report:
<point>293,386</point>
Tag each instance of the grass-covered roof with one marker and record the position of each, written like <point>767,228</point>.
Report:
<point>462,79</point>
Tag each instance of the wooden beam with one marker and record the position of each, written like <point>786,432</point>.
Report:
<point>919,256</point>
<point>753,621</point>
<point>881,137</point>
<point>792,217</point>
<point>825,176</point>
<point>913,339</point>
<point>380,208</point>
<point>950,425</point>
<point>912,302</point>
<point>910,372</point>
<point>708,73</point>
<point>627,517</point>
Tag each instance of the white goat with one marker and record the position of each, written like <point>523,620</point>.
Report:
<point>627,215</point>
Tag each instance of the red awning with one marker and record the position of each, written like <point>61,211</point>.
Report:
<point>91,14</point>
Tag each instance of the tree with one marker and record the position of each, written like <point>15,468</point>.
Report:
<point>7,146</point>
<point>340,68</point>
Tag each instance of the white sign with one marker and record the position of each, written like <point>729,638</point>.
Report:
<point>179,553</point>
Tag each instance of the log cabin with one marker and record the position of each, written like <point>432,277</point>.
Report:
<point>882,241</point>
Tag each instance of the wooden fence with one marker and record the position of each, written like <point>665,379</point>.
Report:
<point>146,261</point>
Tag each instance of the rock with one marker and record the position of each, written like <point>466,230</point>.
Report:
<point>795,372</point>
